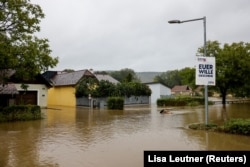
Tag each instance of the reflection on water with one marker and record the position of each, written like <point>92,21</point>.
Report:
<point>82,137</point>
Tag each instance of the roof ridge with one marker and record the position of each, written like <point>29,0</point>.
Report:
<point>65,72</point>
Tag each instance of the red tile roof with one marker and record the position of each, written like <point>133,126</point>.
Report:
<point>181,88</point>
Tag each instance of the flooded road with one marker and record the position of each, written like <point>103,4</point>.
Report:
<point>82,137</point>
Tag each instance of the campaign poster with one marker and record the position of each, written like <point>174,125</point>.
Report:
<point>205,71</point>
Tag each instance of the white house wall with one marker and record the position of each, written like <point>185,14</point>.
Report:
<point>155,89</point>
<point>42,92</point>
<point>164,90</point>
<point>158,90</point>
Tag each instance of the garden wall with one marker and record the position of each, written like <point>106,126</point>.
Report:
<point>102,102</point>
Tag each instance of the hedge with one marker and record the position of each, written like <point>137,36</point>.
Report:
<point>20,113</point>
<point>234,126</point>
<point>237,126</point>
<point>180,101</point>
<point>115,103</point>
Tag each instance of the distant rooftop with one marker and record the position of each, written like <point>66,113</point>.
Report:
<point>106,77</point>
<point>147,77</point>
<point>60,78</point>
<point>8,89</point>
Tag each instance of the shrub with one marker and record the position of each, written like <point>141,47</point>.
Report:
<point>20,113</point>
<point>202,126</point>
<point>115,103</point>
<point>180,101</point>
<point>237,126</point>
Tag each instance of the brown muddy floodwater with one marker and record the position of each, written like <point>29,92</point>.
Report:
<point>80,137</point>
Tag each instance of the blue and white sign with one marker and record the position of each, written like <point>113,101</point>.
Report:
<point>205,71</point>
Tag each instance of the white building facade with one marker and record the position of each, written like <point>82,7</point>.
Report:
<point>158,90</point>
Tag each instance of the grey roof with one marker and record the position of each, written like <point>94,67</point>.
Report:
<point>8,89</point>
<point>106,77</point>
<point>69,78</point>
<point>147,77</point>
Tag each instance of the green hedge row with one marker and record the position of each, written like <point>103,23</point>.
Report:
<point>180,101</point>
<point>237,126</point>
<point>20,113</point>
<point>115,103</point>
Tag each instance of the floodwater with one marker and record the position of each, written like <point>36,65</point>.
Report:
<point>81,137</point>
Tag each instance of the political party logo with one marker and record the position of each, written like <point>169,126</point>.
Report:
<point>201,59</point>
<point>205,71</point>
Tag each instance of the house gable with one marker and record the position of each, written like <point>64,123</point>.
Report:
<point>36,93</point>
<point>158,90</point>
<point>181,89</point>
<point>67,78</point>
<point>63,90</point>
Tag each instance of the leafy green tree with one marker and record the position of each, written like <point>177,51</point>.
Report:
<point>20,49</point>
<point>188,77</point>
<point>232,66</point>
<point>169,78</point>
<point>124,75</point>
<point>160,79</point>
<point>86,86</point>
<point>141,89</point>
<point>129,78</point>
<point>129,89</point>
<point>185,76</point>
<point>68,70</point>
<point>105,89</point>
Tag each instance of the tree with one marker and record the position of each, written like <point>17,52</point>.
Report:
<point>129,89</point>
<point>20,49</point>
<point>232,66</point>
<point>68,70</point>
<point>169,78</point>
<point>86,86</point>
<point>105,89</point>
<point>124,75</point>
<point>188,77</point>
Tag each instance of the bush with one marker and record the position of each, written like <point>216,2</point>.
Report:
<point>20,113</point>
<point>235,126</point>
<point>180,101</point>
<point>238,126</point>
<point>202,126</point>
<point>115,103</point>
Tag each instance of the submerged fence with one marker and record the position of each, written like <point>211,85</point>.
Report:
<point>102,102</point>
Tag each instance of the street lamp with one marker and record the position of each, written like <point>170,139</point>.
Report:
<point>205,44</point>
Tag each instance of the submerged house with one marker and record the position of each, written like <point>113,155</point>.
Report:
<point>63,90</point>
<point>96,101</point>
<point>11,91</point>
<point>181,90</point>
<point>64,83</point>
<point>158,91</point>
<point>8,94</point>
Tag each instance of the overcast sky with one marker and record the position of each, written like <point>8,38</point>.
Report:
<point>135,34</point>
